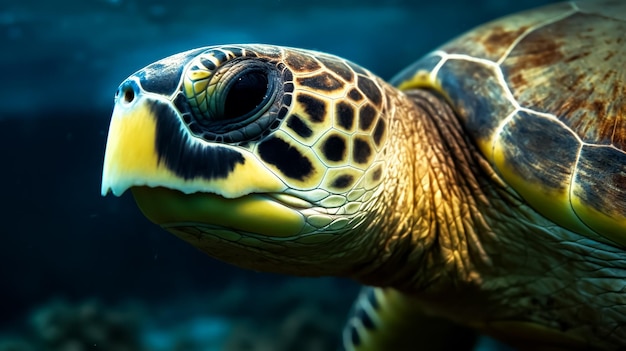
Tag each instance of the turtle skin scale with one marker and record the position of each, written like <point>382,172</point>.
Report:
<point>486,183</point>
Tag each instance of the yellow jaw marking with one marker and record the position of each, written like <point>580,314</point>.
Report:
<point>123,164</point>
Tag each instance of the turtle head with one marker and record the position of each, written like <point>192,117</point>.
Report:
<point>259,155</point>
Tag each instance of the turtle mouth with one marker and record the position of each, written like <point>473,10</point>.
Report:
<point>272,215</point>
<point>289,200</point>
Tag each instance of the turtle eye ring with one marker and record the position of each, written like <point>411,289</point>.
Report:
<point>240,90</point>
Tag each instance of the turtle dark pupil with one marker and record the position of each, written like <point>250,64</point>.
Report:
<point>245,94</point>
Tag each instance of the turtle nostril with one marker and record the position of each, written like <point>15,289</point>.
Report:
<point>128,94</point>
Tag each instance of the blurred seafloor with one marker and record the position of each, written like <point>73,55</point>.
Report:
<point>82,272</point>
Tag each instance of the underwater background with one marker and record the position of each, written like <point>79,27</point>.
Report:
<point>83,272</point>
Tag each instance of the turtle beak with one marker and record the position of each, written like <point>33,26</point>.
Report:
<point>148,145</point>
<point>151,157</point>
<point>130,157</point>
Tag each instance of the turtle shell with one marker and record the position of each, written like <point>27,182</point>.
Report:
<point>543,94</point>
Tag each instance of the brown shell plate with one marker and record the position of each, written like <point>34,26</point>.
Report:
<point>543,93</point>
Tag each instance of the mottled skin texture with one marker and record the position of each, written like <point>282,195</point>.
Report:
<point>487,186</point>
<point>479,253</point>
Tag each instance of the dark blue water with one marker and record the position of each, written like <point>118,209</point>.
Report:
<point>78,269</point>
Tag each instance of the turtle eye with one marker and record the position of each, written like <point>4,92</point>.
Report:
<point>237,92</point>
<point>233,95</point>
<point>245,94</point>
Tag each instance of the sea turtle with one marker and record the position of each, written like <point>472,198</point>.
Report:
<point>486,183</point>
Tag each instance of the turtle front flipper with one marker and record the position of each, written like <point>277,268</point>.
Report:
<point>385,319</point>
